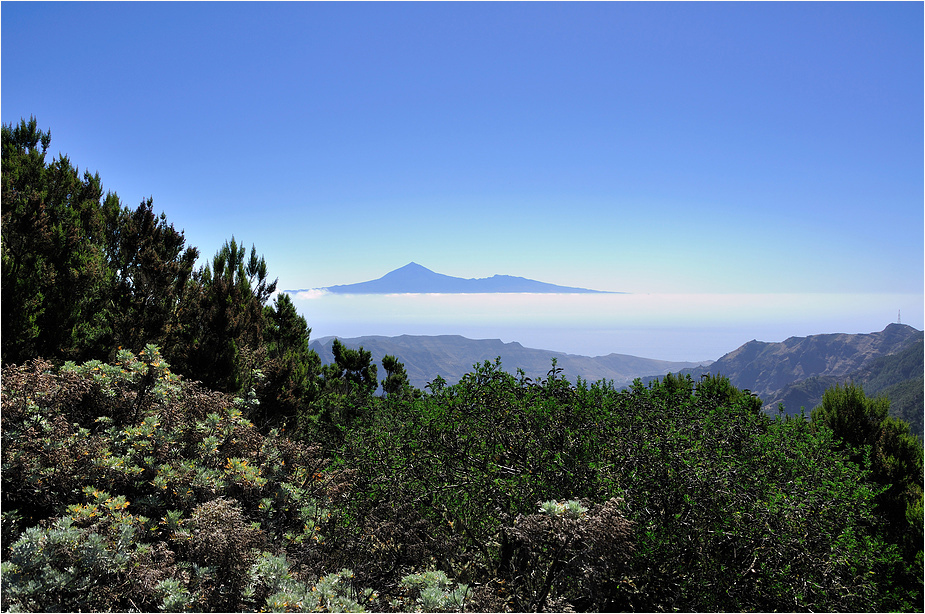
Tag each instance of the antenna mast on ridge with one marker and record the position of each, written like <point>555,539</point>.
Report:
<point>899,316</point>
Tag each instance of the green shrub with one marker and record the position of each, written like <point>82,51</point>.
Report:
<point>81,561</point>
<point>431,591</point>
<point>194,484</point>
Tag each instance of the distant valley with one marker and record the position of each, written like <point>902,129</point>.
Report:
<point>794,372</point>
<point>452,356</point>
<point>416,279</point>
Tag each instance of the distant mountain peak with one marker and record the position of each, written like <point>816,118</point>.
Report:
<point>768,369</point>
<point>414,278</point>
<point>412,266</point>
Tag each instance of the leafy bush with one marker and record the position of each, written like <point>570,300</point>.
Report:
<point>126,487</point>
<point>729,508</point>
<point>571,553</point>
<point>734,510</point>
<point>196,489</point>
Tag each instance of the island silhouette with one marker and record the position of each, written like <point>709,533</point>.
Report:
<point>416,279</point>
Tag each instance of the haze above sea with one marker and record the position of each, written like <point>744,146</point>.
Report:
<point>677,327</point>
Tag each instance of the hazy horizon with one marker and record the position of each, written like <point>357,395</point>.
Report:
<point>677,327</point>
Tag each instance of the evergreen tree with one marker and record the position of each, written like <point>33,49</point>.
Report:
<point>396,379</point>
<point>292,368</point>
<point>82,275</point>
<point>352,370</point>
<point>884,446</point>
<point>223,327</point>
<point>55,273</point>
<point>152,270</point>
<point>853,417</point>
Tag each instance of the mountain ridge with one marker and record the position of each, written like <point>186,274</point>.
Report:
<point>452,356</point>
<point>414,278</point>
<point>899,376</point>
<point>792,371</point>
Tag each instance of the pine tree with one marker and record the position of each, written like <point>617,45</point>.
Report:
<point>292,368</point>
<point>223,327</point>
<point>55,274</point>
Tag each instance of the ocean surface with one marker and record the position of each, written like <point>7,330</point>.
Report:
<point>662,326</point>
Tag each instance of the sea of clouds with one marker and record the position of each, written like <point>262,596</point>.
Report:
<point>662,326</point>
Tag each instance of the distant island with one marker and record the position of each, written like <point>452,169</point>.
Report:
<point>416,279</point>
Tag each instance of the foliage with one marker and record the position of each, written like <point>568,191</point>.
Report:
<point>853,417</point>
<point>79,559</point>
<point>224,339</point>
<point>126,487</point>
<point>344,394</point>
<point>894,457</point>
<point>396,379</point>
<point>151,270</point>
<point>82,274</point>
<point>104,455</point>
<point>352,370</point>
<point>737,511</point>
<point>293,370</point>
<point>53,277</point>
<point>729,508</point>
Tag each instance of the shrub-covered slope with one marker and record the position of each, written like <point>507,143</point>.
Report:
<point>127,488</point>
<point>898,377</point>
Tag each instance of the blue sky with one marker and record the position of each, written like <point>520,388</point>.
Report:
<point>640,147</point>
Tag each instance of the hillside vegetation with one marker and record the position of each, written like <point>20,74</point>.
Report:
<point>796,372</point>
<point>452,356</point>
<point>898,377</point>
<point>170,442</point>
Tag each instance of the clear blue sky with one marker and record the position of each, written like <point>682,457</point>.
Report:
<point>638,147</point>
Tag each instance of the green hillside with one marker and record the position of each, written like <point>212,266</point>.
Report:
<point>451,356</point>
<point>898,377</point>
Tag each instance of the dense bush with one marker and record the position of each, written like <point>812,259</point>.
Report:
<point>729,508</point>
<point>127,488</point>
<point>99,457</point>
